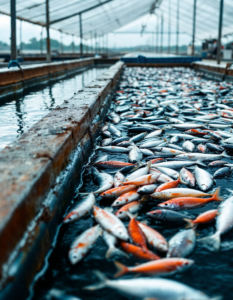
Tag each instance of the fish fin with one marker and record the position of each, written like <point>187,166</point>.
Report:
<point>164,127</point>
<point>135,168</point>
<point>103,280</point>
<point>190,223</point>
<point>212,242</point>
<point>83,194</point>
<point>200,163</point>
<point>145,198</point>
<point>130,215</point>
<point>216,196</point>
<point>149,164</point>
<point>114,252</point>
<point>231,191</point>
<point>97,147</point>
<point>224,154</point>
<point>165,140</point>
<point>216,298</point>
<point>121,269</point>
<point>140,163</point>
<point>145,222</point>
<point>210,138</point>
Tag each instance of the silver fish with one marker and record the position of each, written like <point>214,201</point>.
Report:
<point>114,130</point>
<point>182,244</point>
<point>202,156</point>
<point>178,164</point>
<point>169,172</point>
<point>187,177</point>
<point>118,179</point>
<point>139,172</point>
<point>135,155</point>
<point>149,288</point>
<point>188,146</point>
<point>204,179</point>
<point>111,242</point>
<point>113,149</point>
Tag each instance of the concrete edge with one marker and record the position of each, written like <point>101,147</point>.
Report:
<point>31,167</point>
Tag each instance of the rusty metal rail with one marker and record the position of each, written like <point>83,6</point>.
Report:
<point>38,174</point>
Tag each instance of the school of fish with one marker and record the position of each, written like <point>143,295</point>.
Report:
<point>168,132</point>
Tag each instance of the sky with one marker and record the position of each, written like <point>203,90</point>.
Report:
<point>114,39</point>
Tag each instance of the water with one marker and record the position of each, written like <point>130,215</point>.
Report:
<point>212,272</point>
<point>19,114</point>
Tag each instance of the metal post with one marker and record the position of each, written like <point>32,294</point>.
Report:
<point>13,31</point>
<point>157,36</point>
<point>21,44</point>
<point>48,56</point>
<point>177,27</point>
<point>161,46</point>
<point>61,44</point>
<point>81,35</point>
<point>107,43</point>
<point>169,27</point>
<point>73,49</point>
<point>220,33</point>
<point>41,41</point>
<point>194,26</point>
<point>96,43</point>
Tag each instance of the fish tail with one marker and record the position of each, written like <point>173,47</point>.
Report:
<point>190,223</point>
<point>216,196</point>
<point>121,269</point>
<point>114,252</point>
<point>145,198</point>
<point>200,163</point>
<point>164,127</point>
<point>103,282</point>
<point>224,154</point>
<point>212,242</point>
<point>149,164</point>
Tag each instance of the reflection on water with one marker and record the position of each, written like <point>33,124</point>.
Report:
<point>19,115</point>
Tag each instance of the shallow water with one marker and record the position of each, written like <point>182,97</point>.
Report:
<point>20,113</point>
<point>212,272</point>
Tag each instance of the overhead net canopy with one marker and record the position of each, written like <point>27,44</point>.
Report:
<point>207,17</point>
<point>64,16</point>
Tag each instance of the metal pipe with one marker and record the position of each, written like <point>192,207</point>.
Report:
<point>41,41</point>
<point>177,27</point>
<point>194,26</point>
<point>161,46</point>
<point>48,55</point>
<point>73,48</point>
<point>95,42</point>
<point>61,44</point>
<point>81,35</point>
<point>21,44</point>
<point>13,31</point>
<point>157,36</point>
<point>169,27</point>
<point>220,33</point>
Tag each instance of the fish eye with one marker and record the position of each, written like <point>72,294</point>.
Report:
<point>186,263</point>
<point>165,204</point>
<point>120,212</point>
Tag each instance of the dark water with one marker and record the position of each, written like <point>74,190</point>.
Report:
<point>20,113</point>
<point>212,272</point>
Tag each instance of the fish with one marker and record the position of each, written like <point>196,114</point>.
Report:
<point>187,177</point>
<point>136,234</point>
<point>169,185</point>
<point>83,243</point>
<point>139,172</point>
<point>182,244</point>
<point>202,156</point>
<point>190,202</point>
<point>113,149</point>
<point>106,142</point>
<point>218,163</point>
<point>118,179</point>
<point>112,164</point>
<point>222,172</point>
<point>149,288</point>
<point>118,191</point>
<point>147,189</point>
<point>127,197</point>
<point>224,223</point>
<point>135,155</point>
<point>139,137</point>
<point>110,223</point>
<point>188,146</point>
<point>206,217</point>
<point>162,177</point>
<point>81,209</point>
<point>154,238</point>
<point>138,252</point>
<point>166,215</point>
<point>169,172</point>
<point>55,294</point>
<point>142,180</point>
<point>114,130</point>
<point>178,164</point>
<point>178,192</point>
<point>204,179</point>
<point>111,241</point>
<point>165,266</point>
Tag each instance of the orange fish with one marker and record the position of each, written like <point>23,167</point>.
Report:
<point>165,266</point>
<point>126,198</point>
<point>169,185</point>
<point>118,191</point>
<point>136,233</point>
<point>157,160</point>
<point>143,180</point>
<point>195,132</point>
<point>203,218</point>
<point>189,202</point>
<point>138,252</point>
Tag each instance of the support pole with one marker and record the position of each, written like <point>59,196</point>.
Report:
<point>96,43</point>
<point>220,33</point>
<point>81,35</point>
<point>21,43</point>
<point>177,27</point>
<point>169,27</point>
<point>13,31</point>
<point>157,36</point>
<point>61,46</point>
<point>48,56</point>
<point>41,40</point>
<point>194,26</point>
<point>161,46</point>
<point>73,49</point>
